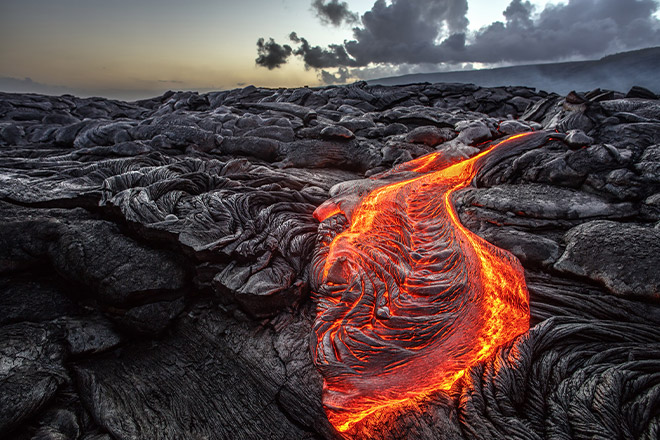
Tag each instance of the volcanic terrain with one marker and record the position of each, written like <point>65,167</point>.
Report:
<point>427,261</point>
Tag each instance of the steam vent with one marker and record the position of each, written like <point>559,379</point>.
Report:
<point>429,261</point>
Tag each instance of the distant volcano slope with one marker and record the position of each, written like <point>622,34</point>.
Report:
<point>614,72</point>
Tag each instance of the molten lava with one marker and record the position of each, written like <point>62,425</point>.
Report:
<point>408,298</point>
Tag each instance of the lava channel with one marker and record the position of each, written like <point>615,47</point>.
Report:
<point>406,297</point>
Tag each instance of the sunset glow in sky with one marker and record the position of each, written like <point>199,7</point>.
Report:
<point>139,48</point>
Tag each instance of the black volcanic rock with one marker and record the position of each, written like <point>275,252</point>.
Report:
<point>640,92</point>
<point>92,253</point>
<point>32,371</point>
<point>430,135</point>
<point>336,132</point>
<point>155,257</point>
<point>30,297</point>
<point>623,257</point>
<point>531,249</point>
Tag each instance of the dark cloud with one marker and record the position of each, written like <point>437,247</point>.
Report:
<point>333,12</point>
<point>579,28</point>
<point>405,30</point>
<point>435,31</point>
<point>319,58</point>
<point>519,14</point>
<point>272,55</point>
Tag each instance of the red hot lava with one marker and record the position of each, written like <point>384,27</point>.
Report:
<point>408,298</point>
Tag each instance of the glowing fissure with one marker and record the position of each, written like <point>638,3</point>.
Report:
<point>407,297</point>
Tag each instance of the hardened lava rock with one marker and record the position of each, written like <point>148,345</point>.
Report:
<point>157,259</point>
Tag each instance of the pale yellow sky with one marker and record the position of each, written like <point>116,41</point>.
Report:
<point>149,46</point>
<point>209,45</point>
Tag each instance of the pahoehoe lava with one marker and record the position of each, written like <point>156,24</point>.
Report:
<point>407,298</point>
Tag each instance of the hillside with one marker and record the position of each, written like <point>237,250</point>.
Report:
<point>614,72</point>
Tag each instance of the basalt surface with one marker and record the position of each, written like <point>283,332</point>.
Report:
<point>160,260</point>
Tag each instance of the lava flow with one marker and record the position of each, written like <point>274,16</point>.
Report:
<point>408,298</point>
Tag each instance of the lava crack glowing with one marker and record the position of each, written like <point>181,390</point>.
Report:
<point>408,298</point>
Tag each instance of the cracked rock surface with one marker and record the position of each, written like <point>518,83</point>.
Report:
<point>155,258</point>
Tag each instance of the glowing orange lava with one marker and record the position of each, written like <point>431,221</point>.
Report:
<point>408,298</point>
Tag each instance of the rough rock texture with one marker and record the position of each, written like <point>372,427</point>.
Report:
<point>155,258</point>
<point>623,257</point>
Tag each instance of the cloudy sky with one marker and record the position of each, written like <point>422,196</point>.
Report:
<point>138,48</point>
